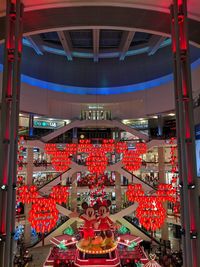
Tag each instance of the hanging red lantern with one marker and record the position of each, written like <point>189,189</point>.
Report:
<point>27,194</point>
<point>97,161</point>
<point>121,147</point>
<point>43,215</point>
<point>60,158</point>
<point>131,160</point>
<point>71,149</point>
<point>108,145</point>
<point>85,146</point>
<point>150,210</point>
<point>61,161</point>
<point>151,213</point>
<point>60,194</point>
<point>141,148</point>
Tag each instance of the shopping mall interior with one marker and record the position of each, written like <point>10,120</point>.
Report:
<point>100,133</point>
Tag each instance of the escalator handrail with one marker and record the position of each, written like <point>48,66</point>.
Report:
<point>40,239</point>
<point>154,188</point>
<point>142,230</point>
<point>39,188</point>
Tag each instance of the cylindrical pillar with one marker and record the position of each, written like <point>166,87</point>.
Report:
<point>9,128</point>
<point>162,179</point>
<point>185,135</point>
<point>29,181</point>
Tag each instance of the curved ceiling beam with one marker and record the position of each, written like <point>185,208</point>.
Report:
<point>129,19</point>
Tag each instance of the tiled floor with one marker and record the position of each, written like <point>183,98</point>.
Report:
<point>39,255</point>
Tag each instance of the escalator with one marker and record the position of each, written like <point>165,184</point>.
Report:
<point>48,236</point>
<point>133,225</point>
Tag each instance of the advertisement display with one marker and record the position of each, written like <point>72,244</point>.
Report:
<point>197,137</point>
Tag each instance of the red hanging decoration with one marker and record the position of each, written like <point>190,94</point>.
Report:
<point>85,146</point>
<point>108,145</point>
<point>150,210</point>
<point>121,147</point>
<point>132,160</point>
<point>60,158</point>
<point>27,194</point>
<point>141,148</point>
<point>43,215</point>
<point>97,161</point>
<point>59,194</point>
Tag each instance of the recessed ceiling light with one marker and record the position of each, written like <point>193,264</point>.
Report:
<point>171,114</point>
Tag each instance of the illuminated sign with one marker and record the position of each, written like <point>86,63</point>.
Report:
<point>45,124</point>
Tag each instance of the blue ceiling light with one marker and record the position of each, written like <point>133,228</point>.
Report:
<point>100,90</point>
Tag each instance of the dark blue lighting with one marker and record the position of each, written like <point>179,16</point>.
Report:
<point>101,90</point>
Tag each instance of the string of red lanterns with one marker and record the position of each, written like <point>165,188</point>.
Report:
<point>43,214</point>
<point>150,210</point>
<point>96,160</point>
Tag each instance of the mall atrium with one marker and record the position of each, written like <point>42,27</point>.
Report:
<point>100,133</point>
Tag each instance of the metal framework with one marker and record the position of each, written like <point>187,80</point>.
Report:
<point>185,134</point>
<point>9,128</point>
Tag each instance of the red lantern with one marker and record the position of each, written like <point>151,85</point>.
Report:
<point>121,147</point>
<point>131,160</point>
<point>43,215</point>
<point>141,148</point>
<point>97,161</point>
<point>27,194</point>
<point>59,194</point>
<point>150,210</point>
<point>85,146</point>
<point>108,145</point>
<point>60,158</point>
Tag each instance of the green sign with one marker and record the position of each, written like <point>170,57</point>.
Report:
<point>45,124</point>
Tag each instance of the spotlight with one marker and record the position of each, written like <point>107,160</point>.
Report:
<point>191,186</point>
<point>4,187</point>
<point>180,185</point>
<point>193,235</point>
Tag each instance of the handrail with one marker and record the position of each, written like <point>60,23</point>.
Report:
<point>45,235</point>
<point>154,188</point>
<point>53,179</point>
<point>142,230</point>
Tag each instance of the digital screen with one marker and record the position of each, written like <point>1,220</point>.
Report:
<point>197,137</point>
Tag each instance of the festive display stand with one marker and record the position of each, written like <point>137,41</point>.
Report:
<point>97,243</point>
<point>67,250</point>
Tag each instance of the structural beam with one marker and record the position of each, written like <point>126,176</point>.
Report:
<point>126,40</point>
<point>190,220</point>
<point>66,43</point>
<point>154,44</point>
<point>96,37</point>
<point>35,43</point>
<point>9,128</point>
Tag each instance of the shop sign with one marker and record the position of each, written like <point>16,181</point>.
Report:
<point>45,124</point>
